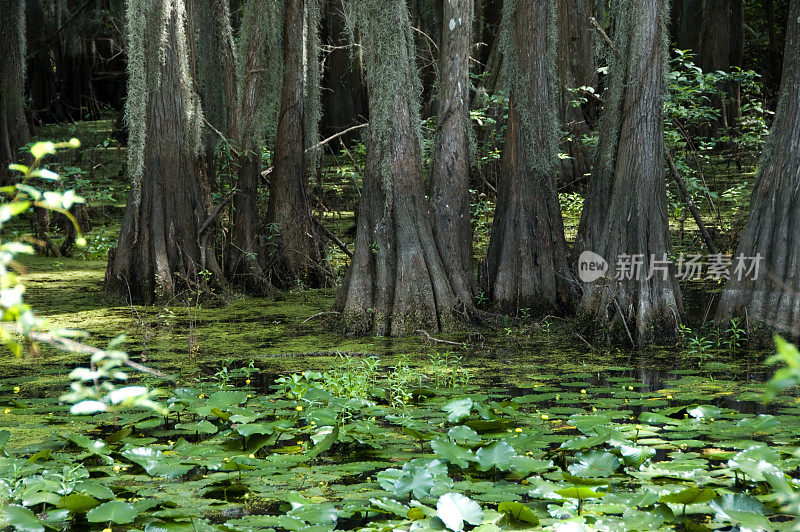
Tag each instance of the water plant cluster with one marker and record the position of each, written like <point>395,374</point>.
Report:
<point>319,451</point>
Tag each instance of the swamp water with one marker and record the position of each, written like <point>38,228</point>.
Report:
<point>527,427</point>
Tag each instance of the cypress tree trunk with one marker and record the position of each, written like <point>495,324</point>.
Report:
<point>344,97</point>
<point>691,24</point>
<point>450,197</point>
<point>159,251</point>
<point>296,251</point>
<point>772,231</point>
<point>41,70</point>
<point>632,220</point>
<point>576,68</point>
<point>215,56</point>
<point>715,49</point>
<point>13,125</point>
<point>259,74</point>
<point>527,259</point>
<point>397,281</point>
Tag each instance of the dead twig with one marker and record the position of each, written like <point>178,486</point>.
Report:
<point>318,314</point>
<point>431,339</point>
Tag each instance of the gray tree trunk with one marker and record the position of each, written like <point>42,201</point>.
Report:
<point>296,251</point>
<point>527,258</point>
<point>13,125</point>
<point>628,216</point>
<point>576,67</point>
<point>160,251</point>
<point>397,281</point>
<point>773,229</point>
<point>450,176</point>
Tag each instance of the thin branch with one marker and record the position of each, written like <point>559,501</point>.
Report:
<point>318,314</point>
<point>689,203</point>
<point>76,347</point>
<point>604,34</point>
<point>429,338</point>
<point>333,238</point>
<point>227,199</point>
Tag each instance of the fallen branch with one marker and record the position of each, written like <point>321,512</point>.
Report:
<point>689,203</point>
<point>333,238</point>
<point>318,314</point>
<point>215,214</point>
<point>429,339</point>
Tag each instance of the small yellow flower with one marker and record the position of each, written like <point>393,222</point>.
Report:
<point>201,396</point>
<point>594,409</point>
<point>558,397</point>
<point>299,408</point>
<point>638,427</point>
<point>246,495</point>
<point>75,143</point>
<point>299,442</point>
<point>117,467</point>
<point>107,530</point>
<point>669,397</point>
<point>7,411</point>
<point>16,389</point>
<point>249,396</point>
<point>630,388</point>
<point>247,381</point>
<point>711,419</point>
<point>252,455</point>
<point>313,422</point>
<point>583,391</point>
<point>518,429</point>
<point>545,417</point>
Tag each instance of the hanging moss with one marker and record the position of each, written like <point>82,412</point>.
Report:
<point>260,49</point>
<point>148,26</point>
<point>390,73</point>
<point>523,89</point>
<point>312,91</point>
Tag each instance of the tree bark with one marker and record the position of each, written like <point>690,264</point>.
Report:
<point>576,68</point>
<point>344,95</point>
<point>450,197</point>
<point>260,67</point>
<point>295,248</point>
<point>13,125</point>
<point>397,281</point>
<point>527,258</point>
<point>773,297</point>
<point>215,58</point>
<point>715,50</point>
<point>688,34</point>
<point>159,252</point>
<point>633,219</point>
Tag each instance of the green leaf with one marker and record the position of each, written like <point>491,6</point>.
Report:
<point>693,495</point>
<point>454,509</point>
<point>525,465</point>
<point>704,411</point>
<point>458,409</point>
<point>453,453</point>
<point>634,455</point>
<point>78,503</point>
<point>464,434</point>
<point>325,443</point>
<point>22,519</point>
<point>518,512</point>
<point>579,492</point>
<point>115,511</point>
<point>496,455</point>
<point>594,464</point>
